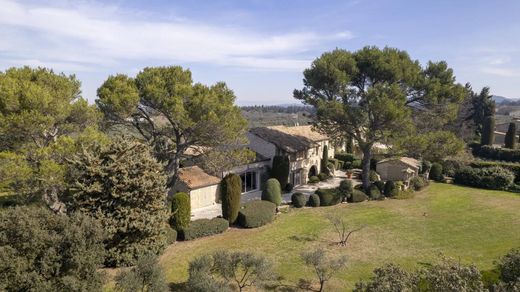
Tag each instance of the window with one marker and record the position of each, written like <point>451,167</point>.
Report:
<point>249,181</point>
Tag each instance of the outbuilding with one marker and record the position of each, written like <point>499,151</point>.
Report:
<point>202,188</point>
<point>398,169</point>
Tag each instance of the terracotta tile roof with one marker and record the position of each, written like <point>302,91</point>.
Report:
<point>406,160</point>
<point>290,139</point>
<point>194,177</point>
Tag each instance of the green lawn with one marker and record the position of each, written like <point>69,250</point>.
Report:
<point>471,225</point>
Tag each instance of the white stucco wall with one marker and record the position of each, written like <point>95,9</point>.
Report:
<point>393,170</point>
<point>204,197</point>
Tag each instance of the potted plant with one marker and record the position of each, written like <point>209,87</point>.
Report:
<point>349,173</point>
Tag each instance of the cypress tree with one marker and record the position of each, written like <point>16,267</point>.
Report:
<point>122,186</point>
<point>280,170</point>
<point>350,145</point>
<point>231,188</point>
<point>325,160</point>
<point>510,139</point>
<point>488,131</point>
<point>272,192</point>
<point>181,211</point>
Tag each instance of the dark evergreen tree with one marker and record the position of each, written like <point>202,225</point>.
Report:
<point>488,131</point>
<point>43,251</point>
<point>122,186</point>
<point>272,192</point>
<point>510,139</point>
<point>325,160</point>
<point>280,170</point>
<point>181,211</point>
<point>231,188</point>
<point>350,145</point>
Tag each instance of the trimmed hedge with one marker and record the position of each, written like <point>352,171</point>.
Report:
<point>356,164</point>
<point>314,180</point>
<point>328,197</point>
<point>418,183</point>
<point>492,153</point>
<point>436,172</point>
<point>375,193</point>
<point>181,211</point>
<point>338,164</point>
<point>345,188</point>
<point>298,200</point>
<point>256,213</point>
<point>358,196</point>
<point>380,185</point>
<point>323,176</point>
<point>513,167</point>
<point>204,227</point>
<point>171,235</point>
<point>314,201</point>
<point>272,192</point>
<point>231,189</point>
<point>391,189</point>
<point>345,157</point>
<point>495,178</point>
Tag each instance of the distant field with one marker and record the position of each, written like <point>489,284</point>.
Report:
<point>471,225</point>
<point>262,119</point>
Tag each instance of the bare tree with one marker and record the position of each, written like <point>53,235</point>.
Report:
<point>324,266</point>
<point>341,229</point>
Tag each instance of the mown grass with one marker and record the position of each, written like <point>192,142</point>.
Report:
<point>471,225</point>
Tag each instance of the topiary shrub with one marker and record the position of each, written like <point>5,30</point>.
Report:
<point>204,227</point>
<point>323,176</point>
<point>314,200</point>
<point>231,188</point>
<point>272,192</point>
<point>328,197</point>
<point>356,164</point>
<point>181,211</point>
<point>510,139</point>
<point>391,189</point>
<point>280,170</point>
<point>345,188</point>
<point>314,180</point>
<point>418,183</point>
<point>373,176</point>
<point>436,172</point>
<point>495,178</point>
<point>375,193</point>
<point>171,235</point>
<point>358,196</point>
<point>380,185</point>
<point>345,157</point>
<point>256,213</point>
<point>488,131</point>
<point>289,187</point>
<point>325,160</point>
<point>298,200</point>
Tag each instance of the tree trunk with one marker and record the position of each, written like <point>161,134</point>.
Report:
<point>365,174</point>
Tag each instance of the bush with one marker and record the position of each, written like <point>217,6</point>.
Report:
<point>323,176</point>
<point>356,164</point>
<point>231,188</point>
<point>375,193</point>
<point>425,166</point>
<point>450,167</point>
<point>314,200</point>
<point>345,188</point>
<point>272,192</point>
<point>436,172</point>
<point>298,200</point>
<point>345,157</point>
<point>171,235</point>
<point>510,139</point>
<point>256,213</point>
<point>325,160</point>
<point>289,187</point>
<point>492,153</point>
<point>380,185</point>
<point>181,211</point>
<point>338,164</point>
<point>280,170</point>
<point>390,189</point>
<point>509,266</point>
<point>314,180</point>
<point>204,227</point>
<point>495,178</point>
<point>328,197</point>
<point>146,275</point>
<point>373,176</point>
<point>418,183</point>
<point>488,131</point>
<point>513,167</point>
<point>358,196</point>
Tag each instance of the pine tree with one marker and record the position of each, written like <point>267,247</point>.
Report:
<point>122,186</point>
<point>510,139</point>
<point>488,131</point>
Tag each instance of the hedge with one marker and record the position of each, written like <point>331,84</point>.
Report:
<point>272,192</point>
<point>171,235</point>
<point>256,213</point>
<point>345,157</point>
<point>513,167</point>
<point>323,176</point>
<point>380,185</point>
<point>492,153</point>
<point>375,193</point>
<point>181,211</point>
<point>373,176</point>
<point>345,188</point>
<point>314,201</point>
<point>358,196</point>
<point>204,227</point>
<point>338,164</point>
<point>391,189</point>
<point>298,200</point>
<point>328,197</point>
<point>495,178</point>
<point>418,183</point>
<point>314,179</point>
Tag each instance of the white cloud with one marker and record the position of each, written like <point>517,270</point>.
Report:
<point>502,72</point>
<point>85,38</point>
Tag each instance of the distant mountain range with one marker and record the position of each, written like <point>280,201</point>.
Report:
<point>502,99</point>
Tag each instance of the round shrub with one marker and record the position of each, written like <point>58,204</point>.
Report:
<point>181,211</point>
<point>418,183</point>
<point>358,196</point>
<point>373,176</point>
<point>345,188</point>
<point>314,180</point>
<point>289,187</point>
<point>375,193</point>
<point>436,172</point>
<point>323,176</point>
<point>256,213</point>
<point>509,266</point>
<point>171,235</point>
<point>356,164</point>
<point>328,197</point>
<point>314,200</point>
<point>231,188</point>
<point>380,185</point>
<point>204,227</point>
<point>272,192</point>
<point>391,189</point>
<point>298,200</point>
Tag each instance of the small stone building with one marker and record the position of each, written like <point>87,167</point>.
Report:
<point>202,188</point>
<point>398,169</point>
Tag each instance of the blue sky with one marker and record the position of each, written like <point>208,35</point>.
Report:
<point>259,48</point>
